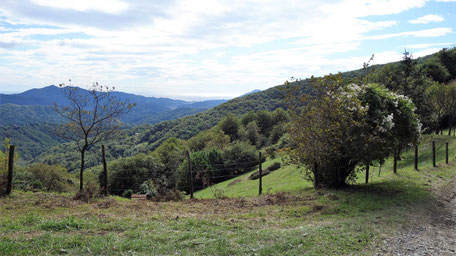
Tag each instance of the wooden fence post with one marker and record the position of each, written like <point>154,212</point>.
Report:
<point>9,186</point>
<point>433,153</point>
<point>260,171</point>
<point>395,161</point>
<point>416,157</point>
<point>105,171</point>
<point>190,173</point>
<point>367,173</point>
<point>446,155</point>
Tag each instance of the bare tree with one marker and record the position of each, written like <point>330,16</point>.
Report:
<point>91,116</point>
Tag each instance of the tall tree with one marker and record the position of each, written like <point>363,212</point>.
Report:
<point>91,116</point>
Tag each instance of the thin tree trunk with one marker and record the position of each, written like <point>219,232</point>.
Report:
<point>316,176</point>
<point>81,174</point>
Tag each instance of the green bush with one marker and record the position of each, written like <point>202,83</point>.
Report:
<point>241,154</point>
<point>207,166</point>
<point>44,177</point>
<point>148,188</point>
<point>132,172</point>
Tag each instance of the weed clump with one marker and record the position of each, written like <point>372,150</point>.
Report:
<point>90,191</point>
<point>170,195</point>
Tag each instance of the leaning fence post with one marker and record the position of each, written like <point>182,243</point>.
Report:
<point>190,173</point>
<point>105,171</point>
<point>433,153</point>
<point>10,170</point>
<point>446,155</point>
<point>416,156</point>
<point>260,171</point>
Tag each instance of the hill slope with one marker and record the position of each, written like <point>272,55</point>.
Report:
<point>143,139</point>
<point>289,179</point>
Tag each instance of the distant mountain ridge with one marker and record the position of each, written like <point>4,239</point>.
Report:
<point>36,106</point>
<point>251,92</point>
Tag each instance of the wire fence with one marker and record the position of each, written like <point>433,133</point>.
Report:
<point>202,176</point>
<point>196,177</point>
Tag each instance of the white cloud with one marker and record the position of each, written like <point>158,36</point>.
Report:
<point>434,32</point>
<point>108,6</point>
<point>427,19</point>
<point>422,46</point>
<point>362,8</point>
<point>192,47</point>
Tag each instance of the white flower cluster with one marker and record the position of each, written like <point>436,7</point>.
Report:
<point>419,127</point>
<point>400,97</point>
<point>354,87</point>
<point>387,123</point>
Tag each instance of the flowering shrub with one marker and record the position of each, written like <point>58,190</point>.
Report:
<point>339,126</point>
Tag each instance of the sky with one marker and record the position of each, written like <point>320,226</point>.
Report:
<point>195,49</point>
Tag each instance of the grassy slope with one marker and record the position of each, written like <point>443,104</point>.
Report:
<point>289,178</point>
<point>324,222</point>
<point>285,179</point>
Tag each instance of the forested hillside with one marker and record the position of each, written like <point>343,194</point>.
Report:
<point>423,73</point>
<point>29,118</point>
<point>36,106</point>
<point>21,115</point>
<point>31,140</point>
<point>143,139</point>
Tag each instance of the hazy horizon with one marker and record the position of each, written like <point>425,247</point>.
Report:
<point>139,94</point>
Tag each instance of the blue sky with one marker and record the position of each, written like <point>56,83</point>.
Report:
<point>196,49</point>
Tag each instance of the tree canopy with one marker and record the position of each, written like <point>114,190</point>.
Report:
<point>91,116</point>
<point>339,126</point>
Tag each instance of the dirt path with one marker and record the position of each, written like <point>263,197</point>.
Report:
<point>433,230</point>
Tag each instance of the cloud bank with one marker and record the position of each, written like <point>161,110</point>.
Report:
<point>194,48</point>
